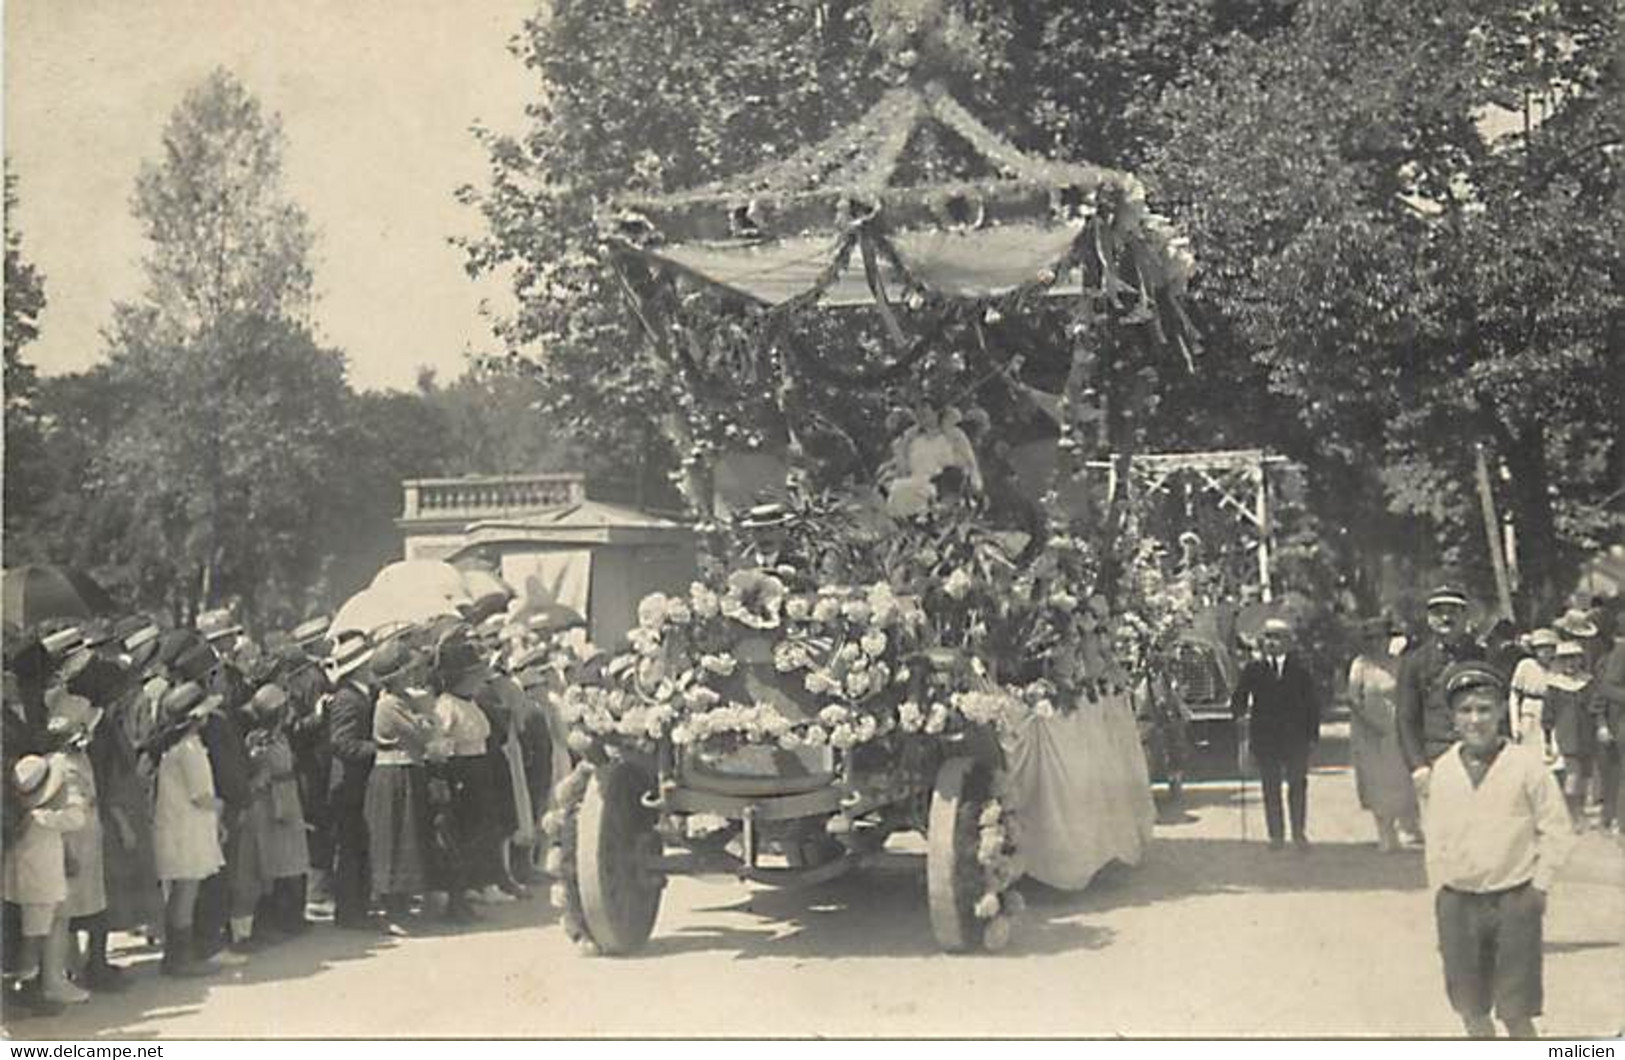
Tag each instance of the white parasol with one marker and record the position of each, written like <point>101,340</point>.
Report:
<point>425,579</point>
<point>374,608</point>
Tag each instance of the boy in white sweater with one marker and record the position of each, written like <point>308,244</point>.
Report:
<point>1497,834</point>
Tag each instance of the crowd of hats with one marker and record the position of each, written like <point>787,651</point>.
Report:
<point>155,683</point>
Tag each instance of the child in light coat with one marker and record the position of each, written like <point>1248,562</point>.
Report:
<point>35,873</point>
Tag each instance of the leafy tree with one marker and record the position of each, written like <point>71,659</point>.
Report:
<point>229,443</point>
<point>664,95</point>
<point>1409,286</point>
<point>26,486</point>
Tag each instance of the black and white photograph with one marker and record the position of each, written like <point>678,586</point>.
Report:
<point>814,519</point>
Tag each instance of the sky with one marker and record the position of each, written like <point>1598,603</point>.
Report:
<point>376,99</point>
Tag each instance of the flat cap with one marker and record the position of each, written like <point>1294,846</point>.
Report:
<point>1469,674</point>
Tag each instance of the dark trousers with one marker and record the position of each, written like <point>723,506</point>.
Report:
<point>210,914</point>
<point>1491,949</point>
<point>352,869</point>
<point>1608,764</point>
<point>1288,765</point>
<point>212,911</point>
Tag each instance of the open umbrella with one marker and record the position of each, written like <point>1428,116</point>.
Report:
<point>425,579</point>
<point>374,608</point>
<point>36,592</point>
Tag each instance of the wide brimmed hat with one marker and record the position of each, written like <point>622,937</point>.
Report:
<point>1570,649</point>
<point>390,659</point>
<point>1577,624</point>
<point>455,654</point>
<point>267,702</point>
<point>37,779</point>
<point>1447,596</point>
<point>186,700</point>
<point>349,654</point>
<point>1544,638</point>
<point>1470,674</point>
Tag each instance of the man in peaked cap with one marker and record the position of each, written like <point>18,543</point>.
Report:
<point>1497,833</point>
<point>1426,726</point>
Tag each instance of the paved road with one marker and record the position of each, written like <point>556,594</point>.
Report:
<point>1210,937</point>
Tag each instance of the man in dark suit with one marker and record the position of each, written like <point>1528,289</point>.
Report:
<point>1427,728</point>
<point>1609,691</point>
<point>349,736</point>
<point>1276,703</point>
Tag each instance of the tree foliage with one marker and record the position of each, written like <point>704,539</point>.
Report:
<point>25,483</point>
<point>661,96</point>
<point>1410,286</point>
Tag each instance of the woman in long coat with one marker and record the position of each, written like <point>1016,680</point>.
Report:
<point>476,813</point>
<point>124,802</point>
<point>275,814</point>
<point>397,803</point>
<point>1381,777</point>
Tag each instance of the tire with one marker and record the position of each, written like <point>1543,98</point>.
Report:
<point>615,839</point>
<point>953,879</point>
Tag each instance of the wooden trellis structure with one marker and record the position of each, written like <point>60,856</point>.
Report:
<point>1236,480</point>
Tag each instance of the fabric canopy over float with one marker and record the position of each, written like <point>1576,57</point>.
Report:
<point>785,233</point>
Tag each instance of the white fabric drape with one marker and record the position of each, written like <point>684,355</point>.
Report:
<point>1081,789</point>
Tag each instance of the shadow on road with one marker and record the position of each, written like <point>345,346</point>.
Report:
<point>1185,868</point>
<point>151,997</point>
<point>873,914</point>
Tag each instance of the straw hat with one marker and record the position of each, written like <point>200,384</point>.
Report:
<point>218,625</point>
<point>1576,624</point>
<point>1543,638</point>
<point>1570,649</point>
<point>141,640</point>
<point>37,779</point>
<point>64,642</point>
<point>350,654</point>
<point>309,633</point>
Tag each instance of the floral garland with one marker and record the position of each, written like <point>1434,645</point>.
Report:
<point>998,838</point>
<point>559,824</point>
<point>849,665</point>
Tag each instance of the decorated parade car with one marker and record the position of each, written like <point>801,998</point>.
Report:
<point>908,325</point>
<point>782,737</point>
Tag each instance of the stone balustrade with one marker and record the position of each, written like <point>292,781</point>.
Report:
<point>476,497</point>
